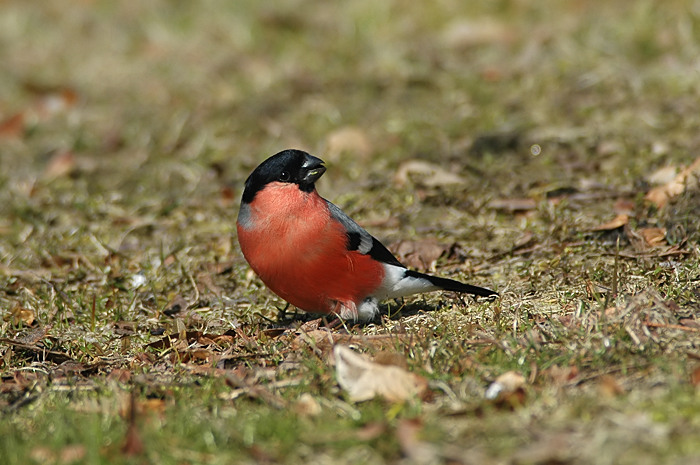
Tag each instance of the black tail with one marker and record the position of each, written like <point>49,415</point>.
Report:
<point>452,285</point>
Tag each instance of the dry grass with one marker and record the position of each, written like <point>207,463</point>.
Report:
<point>126,131</point>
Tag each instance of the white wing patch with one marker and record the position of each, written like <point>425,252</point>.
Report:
<point>397,284</point>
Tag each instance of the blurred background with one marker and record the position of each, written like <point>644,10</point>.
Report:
<point>131,126</point>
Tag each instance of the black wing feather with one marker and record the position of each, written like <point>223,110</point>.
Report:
<point>357,235</point>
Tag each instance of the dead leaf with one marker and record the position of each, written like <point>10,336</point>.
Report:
<point>688,178</point>
<point>513,205</point>
<point>508,388</point>
<point>60,164</point>
<point>19,314</point>
<point>624,206</point>
<point>426,174</point>
<point>364,379</point>
<point>422,254</point>
<point>653,236</point>
<point>610,387</point>
<point>617,222</point>
<point>206,282</point>
<point>35,335</point>
<point>12,126</point>
<point>663,175</point>
<point>695,377</point>
<point>348,140</point>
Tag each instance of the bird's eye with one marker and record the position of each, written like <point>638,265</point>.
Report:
<point>284,176</point>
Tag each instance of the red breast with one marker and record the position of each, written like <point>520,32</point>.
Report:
<point>300,252</point>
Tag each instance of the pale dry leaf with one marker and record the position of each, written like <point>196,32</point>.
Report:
<point>505,385</point>
<point>663,175</point>
<point>513,205</point>
<point>687,178</point>
<point>364,379</point>
<point>348,140</point>
<point>61,164</point>
<point>617,222</point>
<point>426,174</point>
<point>464,34</point>
<point>19,314</point>
<point>422,254</point>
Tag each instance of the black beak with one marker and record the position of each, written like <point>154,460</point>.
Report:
<point>313,168</point>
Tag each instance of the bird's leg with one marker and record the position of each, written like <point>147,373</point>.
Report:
<point>282,313</point>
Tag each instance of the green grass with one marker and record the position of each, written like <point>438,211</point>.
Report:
<point>120,202</point>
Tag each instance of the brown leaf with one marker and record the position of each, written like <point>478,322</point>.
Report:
<point>364,379</point>
<point>206,282</point>
<point>660,196</point>
<point>624,206</point>
<point>610,387</point>
<point>59,165</point>
<point>421,254</point>
<point>695,377</point>
<point>653,236</point>
<point>12,126</point>
<point>426,174</point>
<point>19,314</point>
<point>617,222</point>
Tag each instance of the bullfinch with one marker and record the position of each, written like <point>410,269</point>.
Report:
<point>314,256</point>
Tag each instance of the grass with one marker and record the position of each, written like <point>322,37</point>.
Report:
<point>126,132</point>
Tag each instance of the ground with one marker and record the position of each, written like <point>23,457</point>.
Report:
<point>511,144</point>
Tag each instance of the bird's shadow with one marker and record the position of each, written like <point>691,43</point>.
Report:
<point>393,311</point>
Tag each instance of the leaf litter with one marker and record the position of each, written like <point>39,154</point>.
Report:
<point>118,265</point>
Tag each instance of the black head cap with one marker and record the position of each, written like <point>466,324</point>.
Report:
<point>289,166</point>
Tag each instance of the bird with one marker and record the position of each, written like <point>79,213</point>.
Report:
<point>310,253</point>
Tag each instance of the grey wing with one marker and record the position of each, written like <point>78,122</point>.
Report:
<point>361,240</point>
